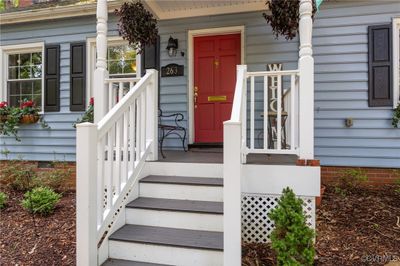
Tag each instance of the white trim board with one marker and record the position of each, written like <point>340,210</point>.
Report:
<point>18,48</point>
<point>206,32</point>
<point>396,61</point>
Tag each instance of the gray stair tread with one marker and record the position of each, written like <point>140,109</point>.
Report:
<point>115,262</point>
<point>177,205</point>
<point>183,180</point>
<point>169,236</point>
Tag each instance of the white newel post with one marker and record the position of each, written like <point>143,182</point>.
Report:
<point>306,95</point>
<point>86,196</point>
<point>152,114</point>
<point>101,73</point>
<point>232,193</point>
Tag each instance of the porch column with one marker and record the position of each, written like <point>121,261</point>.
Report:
<point>100,74</point>
<point>306,83</point>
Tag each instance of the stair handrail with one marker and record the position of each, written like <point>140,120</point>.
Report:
<point>110,157</point>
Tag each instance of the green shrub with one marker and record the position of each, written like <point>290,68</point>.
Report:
<point>18,175</point>
<point>349,179</point>
<point>41,200</point>
<point>292,239</point>
<point>3,200</point>
<point>54,178</point>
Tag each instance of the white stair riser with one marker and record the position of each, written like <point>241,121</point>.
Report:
<point>164,254</point>
<point>173,219</point>
<point>184,169</point>
<point>181,192</point>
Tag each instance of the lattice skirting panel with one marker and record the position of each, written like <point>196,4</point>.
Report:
<point>256,226</point>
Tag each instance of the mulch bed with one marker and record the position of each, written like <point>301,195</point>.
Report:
<point>39,241</point>
<point>359,228</point>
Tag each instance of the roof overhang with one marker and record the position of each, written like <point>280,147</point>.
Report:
<point>166,9</point>
<point>173,9</point>
<point>54,12</point>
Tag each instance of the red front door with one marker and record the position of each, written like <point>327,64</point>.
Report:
<point>215,60</point>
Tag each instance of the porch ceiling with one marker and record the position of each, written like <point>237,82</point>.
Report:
<point>171,9</point>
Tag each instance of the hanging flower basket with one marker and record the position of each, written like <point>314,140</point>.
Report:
<point>137,25</point>
<point>29,119</point>
<point>283,16</point>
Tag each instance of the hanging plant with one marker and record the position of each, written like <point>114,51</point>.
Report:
<point>284,17</point>
<point>396,117</point>
<point>12,117</point>
<point>137,25</point>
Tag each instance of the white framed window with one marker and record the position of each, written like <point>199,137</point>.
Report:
<point>396,61</point>
<point>122,60</point>
<point>22,73</point>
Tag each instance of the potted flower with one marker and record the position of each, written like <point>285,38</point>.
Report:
<point>4,111</point>
<point>29,112</point>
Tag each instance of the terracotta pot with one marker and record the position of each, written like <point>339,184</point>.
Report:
<point>29,119</point>
<point>318,200</point>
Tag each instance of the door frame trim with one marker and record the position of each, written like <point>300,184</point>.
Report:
<point>206,32</point>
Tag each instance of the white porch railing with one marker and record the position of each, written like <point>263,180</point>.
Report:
<point>110,156</point>
<point>118,88</point>
<point>274,114</point>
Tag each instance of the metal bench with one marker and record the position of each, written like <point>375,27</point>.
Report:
<point>171,129</point>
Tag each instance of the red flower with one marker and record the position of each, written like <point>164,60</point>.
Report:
<point>3,104</point>
<point>91,102</point>
<point>27,104</point>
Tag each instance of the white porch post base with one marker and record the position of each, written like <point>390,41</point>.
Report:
<point>232,193</point>
<point>86,196</point>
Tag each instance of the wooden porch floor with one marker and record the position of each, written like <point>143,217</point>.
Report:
<point>216,156</point>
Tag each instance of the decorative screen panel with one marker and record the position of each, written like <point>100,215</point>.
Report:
<point>256,226</point>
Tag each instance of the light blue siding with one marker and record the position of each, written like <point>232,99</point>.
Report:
<point>341,82</point>
<point>340,42</point>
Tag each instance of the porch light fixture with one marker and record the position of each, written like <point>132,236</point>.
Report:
<point>172,46</point>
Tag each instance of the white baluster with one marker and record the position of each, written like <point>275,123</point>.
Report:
<point>111,95</point>
<point>138,128</point>
<point>118,157</point>
<point>292,111</point>
<point>251,112</point>
<point>100,178</point>
<point>266,106</point>
<point>152,114</point>
<point>125,149</point>
<point>132,134</point>
<point>110,168</point>
<point>279,114</point>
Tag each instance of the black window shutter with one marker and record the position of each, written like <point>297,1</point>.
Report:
<point>52,78</point>
<point>78,77</point>
<point>150,57</point>
<point>380,65</point>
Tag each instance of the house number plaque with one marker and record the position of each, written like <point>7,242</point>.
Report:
<point>172,70</point>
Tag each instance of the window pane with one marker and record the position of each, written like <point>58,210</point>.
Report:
<point>130,66</point>
<point>25,59</point>
<point>114,52</point>
<point>14,100</point>
<point>25,72</point>
<point>37,58</point>
<point>13,60</point>
<point>37,99</point>
<point>37,71</point>
<point>26,87</point>
<point>13,88</point>
<point>13,72</point>
<point>115,68</point>
<point>129,53</point>
<point>37,87</point>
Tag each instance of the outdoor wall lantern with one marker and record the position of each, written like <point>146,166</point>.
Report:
<point>172,46</point>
